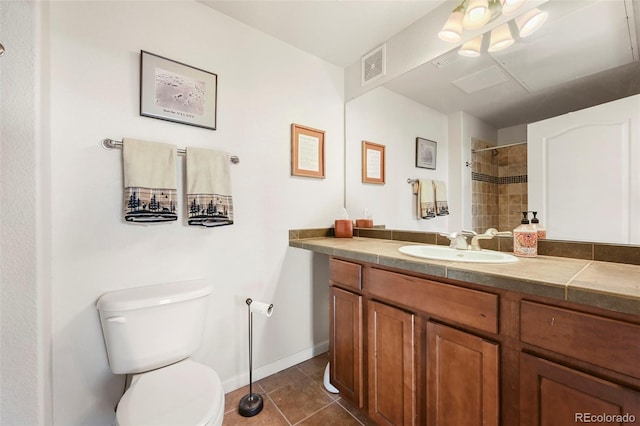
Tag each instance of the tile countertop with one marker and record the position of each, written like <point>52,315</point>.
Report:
<point>613,286</point>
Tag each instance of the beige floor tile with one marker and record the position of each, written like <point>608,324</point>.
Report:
<point>331,415</point>
<point>295,396</point>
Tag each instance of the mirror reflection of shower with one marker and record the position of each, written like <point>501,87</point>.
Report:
<point>498,185</point>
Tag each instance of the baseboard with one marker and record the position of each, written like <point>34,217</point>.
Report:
<point>274,367</point>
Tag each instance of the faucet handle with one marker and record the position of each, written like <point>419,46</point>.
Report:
<point>458,239</point>
<point>488,234</point>
<point>495,233</point>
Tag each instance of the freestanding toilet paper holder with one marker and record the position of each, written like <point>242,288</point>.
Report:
<point>252,403</point>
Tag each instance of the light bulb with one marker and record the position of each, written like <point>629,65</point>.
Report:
<point>500,38</point>
<point>510,6</point>
<point>477,14</point>
<point>531,21</point>
<point>471,48</point>
<point>452,29</point>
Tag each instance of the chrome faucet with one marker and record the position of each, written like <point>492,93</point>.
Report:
<point>488,234</point>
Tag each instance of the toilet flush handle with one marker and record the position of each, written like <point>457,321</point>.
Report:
<point>117,319</point>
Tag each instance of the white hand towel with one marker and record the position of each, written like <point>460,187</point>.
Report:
<point>209,200</point>
<point>149,181</point>
<point>426,199</point>
<point>442,206</point>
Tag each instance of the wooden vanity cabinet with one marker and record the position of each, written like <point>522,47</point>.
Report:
<point>391,365</point>
<point>462,378</point>
<point>555,394</point>
<point>552,394</point>
<point>411,350</point>
<point>345,336</point>
<point>345,344</point>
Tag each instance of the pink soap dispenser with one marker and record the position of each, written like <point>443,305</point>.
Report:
<point>541,230</point>
<point>525,238</point>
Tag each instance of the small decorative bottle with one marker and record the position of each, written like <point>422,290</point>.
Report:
<point>525,238</point>
<point>366,222</point>
<point>535,223</point>
<point>343,228</point>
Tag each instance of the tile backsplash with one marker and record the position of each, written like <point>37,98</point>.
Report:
<point>629,254</point>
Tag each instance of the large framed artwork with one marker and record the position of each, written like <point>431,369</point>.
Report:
<point>177,92</point>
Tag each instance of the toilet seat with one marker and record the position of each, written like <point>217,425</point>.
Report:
<point>185,393</point>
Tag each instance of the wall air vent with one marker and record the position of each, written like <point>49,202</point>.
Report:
<point>374,64</point>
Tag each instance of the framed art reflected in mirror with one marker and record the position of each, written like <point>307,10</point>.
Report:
<point>426,153</point>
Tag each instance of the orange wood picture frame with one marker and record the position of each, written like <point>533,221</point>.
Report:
<point>373,162</point>
<point>307,151</point>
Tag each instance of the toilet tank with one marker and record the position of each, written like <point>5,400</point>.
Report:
<point>145,328</point>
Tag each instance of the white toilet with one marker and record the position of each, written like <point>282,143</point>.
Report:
<point>150,332</point>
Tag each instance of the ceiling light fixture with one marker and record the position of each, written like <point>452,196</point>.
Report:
<point>471,48</point>
<point>531,21</point>
<point>510,6</point>
<point>475,14</point>
<point>500,38</point>
<point>452,30</point>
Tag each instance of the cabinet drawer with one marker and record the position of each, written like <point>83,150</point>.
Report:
<point>608,343</point>
<point>465,306</point>
<point>346,273</point>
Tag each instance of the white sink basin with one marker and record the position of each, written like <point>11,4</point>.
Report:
<point>454,255</point>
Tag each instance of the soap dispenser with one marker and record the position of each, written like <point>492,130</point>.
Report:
<point>525,238</point>
<point>535,223</point>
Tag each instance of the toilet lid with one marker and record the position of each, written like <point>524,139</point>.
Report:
<point>185,393</point>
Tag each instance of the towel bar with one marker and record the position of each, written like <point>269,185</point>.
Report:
<point>112,144</point>
<point>412,180</point>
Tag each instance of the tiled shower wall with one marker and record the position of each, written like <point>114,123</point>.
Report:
<point>499,186</point>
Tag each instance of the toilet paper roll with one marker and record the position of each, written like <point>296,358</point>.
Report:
<point>261,308</point>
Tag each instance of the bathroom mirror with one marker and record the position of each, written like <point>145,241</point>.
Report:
<point>586,54</point>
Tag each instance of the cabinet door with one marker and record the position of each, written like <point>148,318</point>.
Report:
<point>391,365</point>
<point>462,378</point>
<point>346,344</point>
<point>554,395</point>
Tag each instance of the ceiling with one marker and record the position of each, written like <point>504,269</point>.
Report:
<point>586,54</point>
<point>338,31</point>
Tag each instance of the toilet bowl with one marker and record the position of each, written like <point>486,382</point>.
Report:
<point>150,333</point>
<point>185,393</point>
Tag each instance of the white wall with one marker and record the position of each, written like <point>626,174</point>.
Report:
<point>470,127</point>
<point>25,308</point>
<point>384,117</point>
<point>264,86</point>
<point>513,134</point>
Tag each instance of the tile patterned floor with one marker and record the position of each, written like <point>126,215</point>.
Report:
<point>295,396</point>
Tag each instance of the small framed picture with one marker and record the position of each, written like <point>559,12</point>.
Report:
<point>426,153</point>
<point>372,162</point>
<point>307,151</point>
<point>173,91</point>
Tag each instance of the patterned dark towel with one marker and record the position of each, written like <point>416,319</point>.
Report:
<point>209,201</point>
<point>149,181</point>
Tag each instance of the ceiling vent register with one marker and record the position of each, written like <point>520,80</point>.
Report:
<point>374,64</point>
